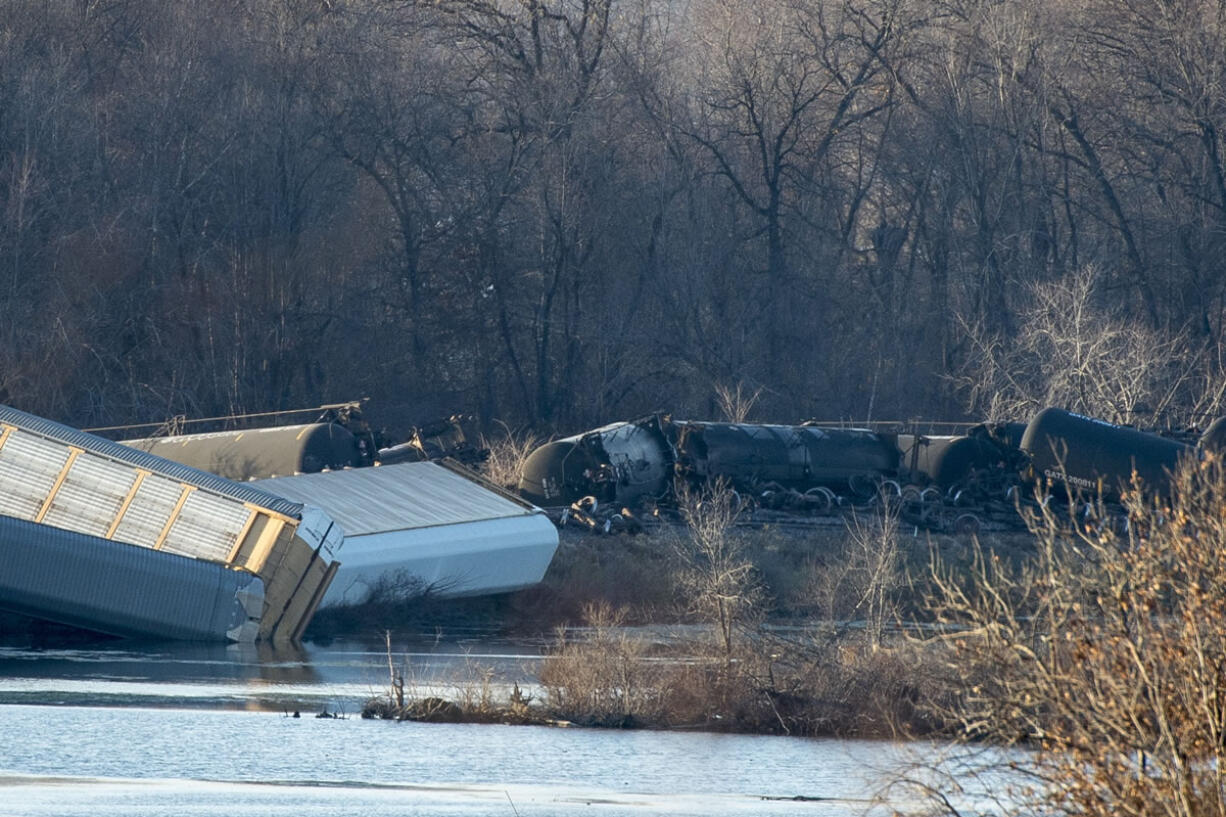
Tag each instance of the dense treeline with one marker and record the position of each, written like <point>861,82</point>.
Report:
<point>570,211</point>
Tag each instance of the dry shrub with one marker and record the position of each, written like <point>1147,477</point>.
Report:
<point>1107,654</point>
<point>604,679</point>
<point>736,402</point>
<point>476,696</point>
<point>836,682</point>
<point>1072,350</point>
<point>611,676</point>
<point>475,690</point>
<point>718,580</point>
<point>507,453</point>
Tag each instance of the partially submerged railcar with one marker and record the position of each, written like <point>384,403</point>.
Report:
<point>107,537</point>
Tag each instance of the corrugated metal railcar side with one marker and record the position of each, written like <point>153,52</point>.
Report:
<point>54,475</point>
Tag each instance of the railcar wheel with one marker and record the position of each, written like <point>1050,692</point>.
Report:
<point>863,487</point>
<point>967,524</point>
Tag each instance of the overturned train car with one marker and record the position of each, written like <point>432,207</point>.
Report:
<point>262,452</point>
<point>97,535</point>
<point>1082,455</point>
<point>331,444</point>
<point>620,462</point>
<point>624,463</point>
<point>627,462</point>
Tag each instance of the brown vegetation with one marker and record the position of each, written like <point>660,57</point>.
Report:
<point>1069,350</point>
<point>1106,653</point>
<point>791,631</point>
<point>794,684</point>
<point>731,627</point>
<point>517,709</point>
<point>474,700</point>
<point>507,452</point>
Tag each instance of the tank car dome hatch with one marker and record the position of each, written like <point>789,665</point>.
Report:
<point>261,452</point>
<point>1088,454</point>
<point>1214,438</point>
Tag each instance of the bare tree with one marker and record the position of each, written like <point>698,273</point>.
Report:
<point>539,70</point>
<point>782,86</point>
<point>718,579</point>
<point>736,402</point>
<point>874,565</point>
<point>1070,351</point>
<point>1165,66</point>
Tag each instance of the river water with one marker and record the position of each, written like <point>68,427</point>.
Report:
<point>190,730</point>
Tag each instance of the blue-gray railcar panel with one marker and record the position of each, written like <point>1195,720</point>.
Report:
<point>117,588</point>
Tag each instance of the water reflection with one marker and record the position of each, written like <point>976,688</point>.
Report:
<point>338,676</point>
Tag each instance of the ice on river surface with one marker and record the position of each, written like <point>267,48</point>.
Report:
<point>190,730</point>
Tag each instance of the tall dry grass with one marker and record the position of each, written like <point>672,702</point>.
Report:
<point>608,675</point>
<point>507,452</point>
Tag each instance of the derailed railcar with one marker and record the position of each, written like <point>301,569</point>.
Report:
<point>434,526</point>
<point>1091,456</point>
<point>624,463</point>
<point>1214,438</point>
<point>943,460</point>
<point>260,453</point>
<point>795,457</point>
<point>986,460</point>
<point>782,466</point>
<point>621,462</point>
<point>106,537</point>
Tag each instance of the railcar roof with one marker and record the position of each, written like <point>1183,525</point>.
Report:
<point>243,492</point>
<point>396,497</point>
